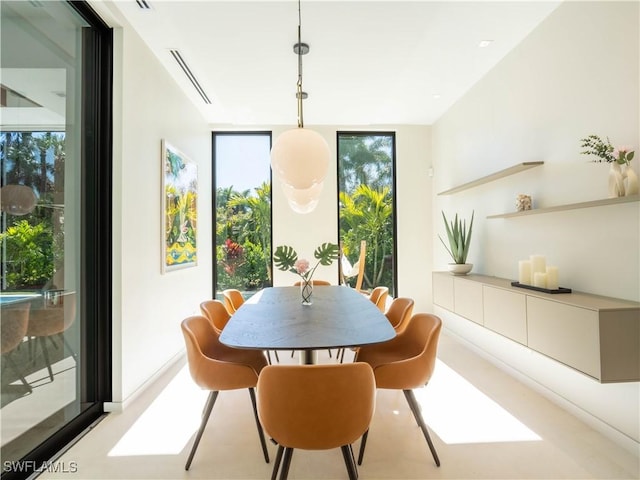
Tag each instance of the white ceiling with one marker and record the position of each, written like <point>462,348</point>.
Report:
<point>370,62</point>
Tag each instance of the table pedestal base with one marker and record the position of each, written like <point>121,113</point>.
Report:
<point>307,357</point>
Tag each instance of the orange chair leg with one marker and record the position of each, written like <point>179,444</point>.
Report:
<point>276,466</point>
<point>252,393</point>
<point>347,453</point>
<point>286,463</point>
<point>211,400</point>
<point>415,408</point>
<point>363,443</point>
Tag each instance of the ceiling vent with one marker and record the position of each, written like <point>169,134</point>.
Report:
<point>187,71</point>
<point>143,4</point>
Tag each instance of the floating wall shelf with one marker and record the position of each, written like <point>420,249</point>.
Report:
<point>570,206</point>
<point>494,176</point>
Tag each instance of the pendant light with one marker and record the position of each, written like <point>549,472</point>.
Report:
<point>300,156</point>
<point>17,199</point>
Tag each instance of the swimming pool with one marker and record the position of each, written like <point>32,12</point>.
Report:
<point>9,298</point>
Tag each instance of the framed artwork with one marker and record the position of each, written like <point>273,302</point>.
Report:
<point>179,209</point>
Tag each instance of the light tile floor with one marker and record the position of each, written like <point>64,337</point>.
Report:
<point>484,423</point>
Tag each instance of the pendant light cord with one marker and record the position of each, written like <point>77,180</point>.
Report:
<point>299,84</point>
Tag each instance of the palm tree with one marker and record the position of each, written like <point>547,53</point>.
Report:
<point>364,160</point>
<point>367,214</point>
<point>257,227</point>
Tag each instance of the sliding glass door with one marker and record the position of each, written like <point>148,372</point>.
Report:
<point>54,166</point>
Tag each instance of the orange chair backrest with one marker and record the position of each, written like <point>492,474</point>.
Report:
<point>233,299</point>
<point>416,348</point>
<point>215,366</point>
<point>316,407</point>
<point>315,283</point>
<point>379,297</point>
<point>216,312</point>
<point>13,325</point>
<point>399,312</point>
<point>55,318</point>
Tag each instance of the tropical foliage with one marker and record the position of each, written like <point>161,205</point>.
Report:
<point>365,180</point>
<point>32,245</point>
<point>243,236</point>
<point>29,251</point>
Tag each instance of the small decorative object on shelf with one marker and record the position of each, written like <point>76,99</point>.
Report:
<point>459,240</point>
<point>537,274</point>
<point>523,202</point>
<point>622,179</point>
<point>286,259</point>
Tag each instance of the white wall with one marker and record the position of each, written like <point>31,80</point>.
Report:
<point>148,305</point>
<point>575,75</point>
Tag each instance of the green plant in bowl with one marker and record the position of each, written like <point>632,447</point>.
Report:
<point>459,236</point>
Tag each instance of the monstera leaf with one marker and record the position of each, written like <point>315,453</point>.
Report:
<point>326,253</point>
<point>284,258</point>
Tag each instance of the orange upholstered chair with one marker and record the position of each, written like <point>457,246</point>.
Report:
<point>216,312</point>
<point>315,283</point>
<point>404,363</point>
<point>396,314</point>
<point>216,367</point>
<point>233,299</point>
<point>13,328</point>
<point>53,320</point>
<point>316,407</point>
<point>379,297</point>
<point>399,312</point>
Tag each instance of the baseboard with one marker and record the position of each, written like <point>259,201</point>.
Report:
<point>175,362</point>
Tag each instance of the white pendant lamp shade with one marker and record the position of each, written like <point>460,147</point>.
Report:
<point>303,209</point>
<point>17,199</point>
<point>303,201</point>
<point>300,158</point>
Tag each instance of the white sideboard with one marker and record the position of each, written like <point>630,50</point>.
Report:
<point>598,336</point>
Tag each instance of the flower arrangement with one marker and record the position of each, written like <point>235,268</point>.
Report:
<point>459,238</point>
<point>286,259</point>
<point>605,151</point>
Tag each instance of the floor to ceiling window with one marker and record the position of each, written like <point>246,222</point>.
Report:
<point>366,194</point>
<point>54,258</point>
<point>242,209</point>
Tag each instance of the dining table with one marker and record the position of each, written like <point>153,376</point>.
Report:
<point>275,319</point>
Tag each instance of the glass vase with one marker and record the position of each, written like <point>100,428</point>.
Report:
<point>616,181</point>
<point>306,291</point>
<point>630,180</point>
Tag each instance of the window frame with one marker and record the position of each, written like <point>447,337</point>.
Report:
<point>374,133</point>
<point>214,187</point>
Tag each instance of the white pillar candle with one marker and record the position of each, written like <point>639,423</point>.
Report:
<point>540,280</point>
<point>552,278</point>
<point>538,264</point>
<point>524,272</point>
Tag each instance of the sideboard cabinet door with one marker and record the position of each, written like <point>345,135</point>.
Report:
<point>566,333</point>
<point>505,312</point>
